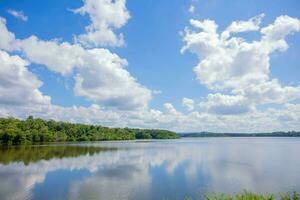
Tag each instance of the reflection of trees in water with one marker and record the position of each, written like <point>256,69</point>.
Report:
<point>29,154</point>
<point>156,170</point>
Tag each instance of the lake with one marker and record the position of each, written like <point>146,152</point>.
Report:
<point>150,170</point>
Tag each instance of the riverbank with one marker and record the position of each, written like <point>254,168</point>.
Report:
<point>30,131</point>
<point>251,196</point>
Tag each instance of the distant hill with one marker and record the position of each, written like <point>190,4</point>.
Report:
<point>211,134</point>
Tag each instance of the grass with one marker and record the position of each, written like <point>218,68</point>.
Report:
<point>251,196</point>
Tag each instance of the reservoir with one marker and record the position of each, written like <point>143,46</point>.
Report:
<point>150,169</point>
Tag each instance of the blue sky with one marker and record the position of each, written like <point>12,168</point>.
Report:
<point>154,35</point>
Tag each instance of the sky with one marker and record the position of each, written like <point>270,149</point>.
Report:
<point>193,65</point>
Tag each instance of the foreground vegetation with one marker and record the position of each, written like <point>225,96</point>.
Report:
<point>29,131</point>
<point>251,196</point>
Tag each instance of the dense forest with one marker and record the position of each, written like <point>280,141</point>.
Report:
<point>272,134</point>
<point>29,131</point>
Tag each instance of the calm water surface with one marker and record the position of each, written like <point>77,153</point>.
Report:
<point>150,170</point>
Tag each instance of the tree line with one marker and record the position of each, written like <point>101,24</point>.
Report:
<point>30,131</point>
<point>272,134</point>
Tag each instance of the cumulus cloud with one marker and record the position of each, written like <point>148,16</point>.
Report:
<point>105,80</point>
<point>243,26</point>
<point>17,84</point>
<point>270,119</point>
<point>132,167</point>
<point>100,76</point>
<point>18,14</point>
<point>169,109</point>
<point>8,41</point>
<point>283,26</point>
<point>58,57</point>
<point>289,116</point>
<point>228,63</point>
<point>226,104</point>
<point>188,103</point>
<point>235,70</point>
<point>105,16</point>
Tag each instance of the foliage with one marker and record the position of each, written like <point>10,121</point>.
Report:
<point>242,196</point>
<point>250,196</point>
<point>29,131</point>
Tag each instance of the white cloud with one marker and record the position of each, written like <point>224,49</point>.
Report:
<point>254,121</point>
<point>58,57</point>
<point>105,168</point>
<point>105,80</point>
<point>100,75</point>
<point>18,14</point>
<point>228,63</point>
<point>188,103</point>
<point>243,26</point>
<point>192,9</point>
<point>231,65</point>
<point>269,92</point>
<point>17,84</point>
<point>202,43</point>
<point>289,116</point>
<point>105,16</point>
<point>226,104</point>
<point>283,26</point>
<point>8,40</point>
<point>169,109</point>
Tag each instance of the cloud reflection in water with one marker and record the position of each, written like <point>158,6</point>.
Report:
<point>159,169</point>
